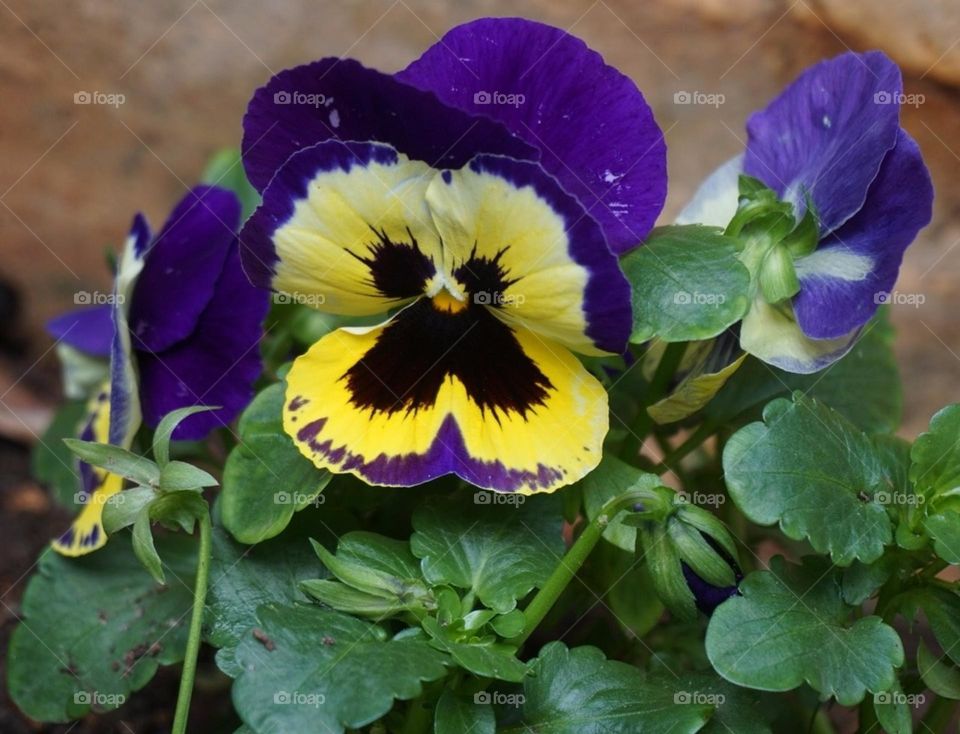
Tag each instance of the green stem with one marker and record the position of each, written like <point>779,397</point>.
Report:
<point>659,383</point>
<point>196,622</point>
<point>575,557</point>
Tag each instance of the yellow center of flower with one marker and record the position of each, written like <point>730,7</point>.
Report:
<point>446,301</point>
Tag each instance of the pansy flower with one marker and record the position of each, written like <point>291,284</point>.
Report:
<point>831,141</point>
<point>480,196</point>
<point>182,328</point>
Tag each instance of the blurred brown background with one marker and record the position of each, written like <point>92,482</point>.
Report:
<point>73,174</point>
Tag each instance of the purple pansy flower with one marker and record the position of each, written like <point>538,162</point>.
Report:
<point>186,317</point>
<point>484,192</point>
<point>833,138</point>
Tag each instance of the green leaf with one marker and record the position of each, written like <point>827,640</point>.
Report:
<point>935,468</point>
<point>578,691</point>
<point>168,424</point>
<point>499,551</point>
<point>944,530</point>
<point>942,609</point>
<point>610,479</point>
<point>486,660</point>
<point>122,509</point>
<point>52,462</point>
<point>144,548</point>
<point>778,278</point>
<point>177,476</point>
<point>622,581</point>
<point>893,709</point>
<point>374,581</point>
<point>864,386</point>
<point>459,715</point>
<point>243,578</point>
<point>688,284</point>
<point>380,553</point>
<point>266,478</point>
<point>938,675</point>
<point>863,580</point>
<point>96,628</point>
<point>316,670</point>
<point>808,469</point>
<point>508,625</point>
<point>225,169</point>
<point>116,460</point>
<point>791,626</point>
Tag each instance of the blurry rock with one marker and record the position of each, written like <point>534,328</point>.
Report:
<point>921,35</point>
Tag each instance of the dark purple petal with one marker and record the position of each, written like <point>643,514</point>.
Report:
<point>89,329</point>
<point>707,596</point>
<point>340,99</point>
<point>216,365</point>
<point>899,204</point>
<point>182,266</point>
<point>827,134</point>
<point>594,130</point>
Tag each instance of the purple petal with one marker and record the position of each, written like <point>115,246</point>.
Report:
<point>215,365</point>
<point>89,329</point>
<point>340,99</point>
<point>828,133</point>
<point>592,126</point>
<point>899,204</point>
<point>182,266</point>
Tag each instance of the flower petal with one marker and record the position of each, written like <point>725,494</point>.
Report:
<point>88,329</point>
<point>182,266</point>
<point>592,126</point>
<point>521,245</point>
<point>775,338</point>
<point>715,202</point>
<point>431,393</point>
<point>846,278</point>
<point>344,227</point>
<point>86,533</point>
<point>125,415</point>
<point>827,134</point>
<point>340,99</point>
<point>216,365</point>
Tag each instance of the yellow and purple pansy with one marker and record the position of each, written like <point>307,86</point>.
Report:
<point>832,138</point>
<point>480,197</point>
<point>182,328</point>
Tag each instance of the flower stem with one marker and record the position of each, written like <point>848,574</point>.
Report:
<point>575,557</point>
<point>656,390</point>
<point>196,622</point>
